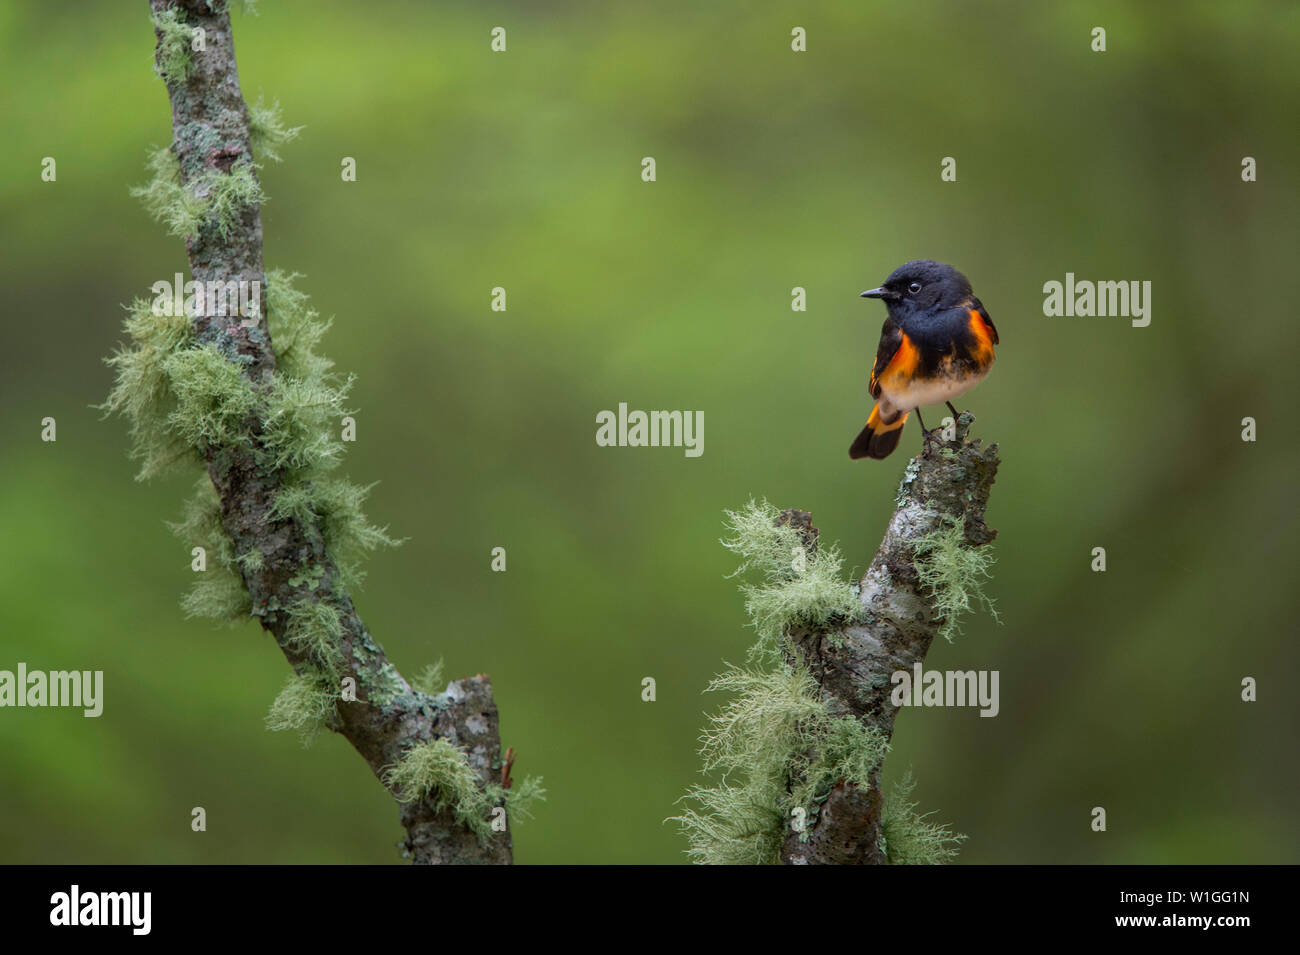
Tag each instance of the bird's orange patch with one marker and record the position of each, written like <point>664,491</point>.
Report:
<point>902,367</point>
<point>877,424</point>
<point>983,351</point>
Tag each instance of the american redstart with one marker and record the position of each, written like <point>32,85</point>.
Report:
<point>936,344</point>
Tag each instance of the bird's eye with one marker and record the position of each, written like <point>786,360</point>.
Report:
<point>914,287</point>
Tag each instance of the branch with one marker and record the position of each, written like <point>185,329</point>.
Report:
<point>852,663</point>
<point>211,137</point>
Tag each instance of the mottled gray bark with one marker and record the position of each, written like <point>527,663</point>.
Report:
<point>211,131</point>
<point>853,664</point>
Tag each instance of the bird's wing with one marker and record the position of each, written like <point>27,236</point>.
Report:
<point>891,336</point>
<point>978,306</point>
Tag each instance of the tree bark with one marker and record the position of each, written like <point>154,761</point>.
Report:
<point>852,664</point>
<point>210,127</point>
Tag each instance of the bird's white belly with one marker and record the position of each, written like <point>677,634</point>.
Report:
<point>932,391</point>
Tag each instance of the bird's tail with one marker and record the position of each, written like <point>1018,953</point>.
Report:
<point>879,437</point>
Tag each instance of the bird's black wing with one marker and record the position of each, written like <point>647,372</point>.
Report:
<point>891,336</point>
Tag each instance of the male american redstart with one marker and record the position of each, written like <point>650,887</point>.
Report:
<point>937,344</point>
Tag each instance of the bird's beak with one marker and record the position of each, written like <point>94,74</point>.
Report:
<point>881,292</point>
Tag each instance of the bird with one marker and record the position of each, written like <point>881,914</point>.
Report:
<point>936,344</point>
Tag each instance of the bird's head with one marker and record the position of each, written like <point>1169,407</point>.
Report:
<point>922,285</point>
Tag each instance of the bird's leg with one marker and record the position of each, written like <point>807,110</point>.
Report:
<point>925,433</point>
<point>953,410</point>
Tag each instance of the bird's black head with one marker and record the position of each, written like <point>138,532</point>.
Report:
<point>922,285</point>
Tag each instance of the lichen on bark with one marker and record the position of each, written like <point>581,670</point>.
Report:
<point>283,531</point>
<point>801,746</point>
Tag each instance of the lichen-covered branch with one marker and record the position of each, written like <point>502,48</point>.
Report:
<point>906,601</point>
<point>260,419</point>
<point>800,747</point>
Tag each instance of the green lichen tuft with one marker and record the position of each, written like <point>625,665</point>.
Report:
<point>229,194</point>
<point>315,629</point>
<point>300,424</point>
<point>175,42</point>
<point>754,740</point>
<point>167,200</point>
<point>796,588</point>
<point>337,506</point>
<point>296,328</point>
<point>349,535</point>
<point>522,798</point>
<point>429,680</point>
<point>908,838</point>
<point>775,748</point>
<point>437,770</point>
<point>306,705</point>
<point>214,401</point>
<point>954,573</point>
<point>143,390</point>
<point>214,200</point>
<point>187,403</point>
<point>846,749</point>
<point>217,593</point>
<point>267,130</point>
<point>308,400</point>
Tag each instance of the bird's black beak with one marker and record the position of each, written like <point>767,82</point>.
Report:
<point>881,292</point>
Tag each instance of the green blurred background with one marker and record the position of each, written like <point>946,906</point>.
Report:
<point>775,170</point>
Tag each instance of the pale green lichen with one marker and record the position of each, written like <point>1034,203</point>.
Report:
<point>214,401</point>
<point>143,393</point>
<point>167,200</point>
<point>429,680</point>
<point>438,771</point>
<point>337,506</point>
<point>218,593</point>
<point>953,572</point>
<point>306,705</point>
<point>186,401</point>
<point>175,42</point>
<point>522,798</point>
<point>299,424</point>
<point>296,328</point>
<point>214,200</point>
<point>229,194</point>
<point>846,750</point>
<point>267,130</point>
<point>796,588</point>
<point>752,744</point>
<point>907,838</point>
<point>314,628</point>
<point>251,562</point>
<point>775,749</point>
<point>308,575</point>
